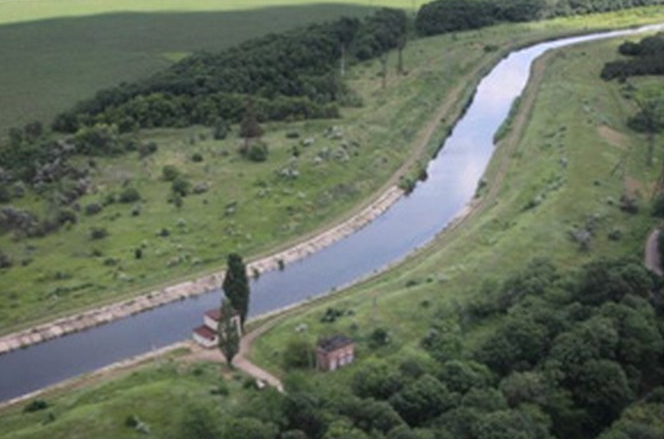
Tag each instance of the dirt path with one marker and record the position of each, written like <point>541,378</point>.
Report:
<point>652,259</point>
<point>241,360</point>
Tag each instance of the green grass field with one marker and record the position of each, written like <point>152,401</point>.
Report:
<point>13,11</point>
<point>576,154</point>
<point>101,409</point>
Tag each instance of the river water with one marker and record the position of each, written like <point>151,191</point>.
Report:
<point>410,223</point>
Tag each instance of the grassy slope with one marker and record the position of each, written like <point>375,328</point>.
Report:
<point>99,410</point>
<point>576,116</point>
<point>445,271</point>
<point>270,210</point>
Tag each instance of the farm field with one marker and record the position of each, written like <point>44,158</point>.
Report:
<point>71,58</point>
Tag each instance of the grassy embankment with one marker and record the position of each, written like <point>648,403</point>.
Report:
<point>248,208</point>
<point>565,170</point>
<point>500,236</point>
<point>101,409</point>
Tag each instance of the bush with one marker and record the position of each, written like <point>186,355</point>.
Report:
<point>130,195</point>
<point>98,233</point>
<point>170,172</point>
<point>5,260</point>
<point>147,148</point>
<point>220,130</point>
<point>181,186</point>
<point>196,158</point>
<point>257,152</point>
<point>93,208</point>
<point>35,405</point>
<point>379,337</point>
<point>298,354</point>
<point>658,205</point>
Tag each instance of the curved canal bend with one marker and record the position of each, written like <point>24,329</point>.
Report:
<point>411,222</point>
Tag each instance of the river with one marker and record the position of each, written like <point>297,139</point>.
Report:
<point>410,223</point>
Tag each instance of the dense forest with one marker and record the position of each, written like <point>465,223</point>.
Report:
<point>571,355</point>
<point>443,16</point>
<point>293,75</point>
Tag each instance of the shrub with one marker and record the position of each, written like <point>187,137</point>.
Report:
<point>35,405</point>
<point>658,205</point>
<point>257,152</point>
<point>298,354</point>
<point>170,172</point>
<point>130,195</point>
<point>196,158</point>
<point>181,186</point>
<point>5,260</point>
<point>147,148</point>
<point>379,337</point>
<point>628,204</point>
<point>98,233</point>
<point>220,130</point>
<point>67,216</point>
<point>93,208</point>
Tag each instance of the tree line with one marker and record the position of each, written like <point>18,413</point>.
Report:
<point>442,16</point>
<point>291,75</point>
<point>643,58</point>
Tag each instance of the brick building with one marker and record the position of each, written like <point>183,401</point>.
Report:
<point>334,352</point>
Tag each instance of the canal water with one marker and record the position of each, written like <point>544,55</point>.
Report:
<point>410,223</point>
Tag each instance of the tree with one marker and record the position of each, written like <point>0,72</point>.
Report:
<point>650,118</point>
<point>249,127</point>
<point>236,285</point>
<point>229,338</point>
<point>422,400</point>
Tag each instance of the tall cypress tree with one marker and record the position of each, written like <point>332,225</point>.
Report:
<point>236,285</point>
<point>229,338</point>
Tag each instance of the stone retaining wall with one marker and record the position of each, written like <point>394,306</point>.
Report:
<point>154,299</point>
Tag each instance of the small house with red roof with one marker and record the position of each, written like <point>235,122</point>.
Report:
<point>207,335</point>
<point>334,352</point>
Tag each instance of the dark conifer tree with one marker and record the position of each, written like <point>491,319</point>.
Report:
<point>236,285</point>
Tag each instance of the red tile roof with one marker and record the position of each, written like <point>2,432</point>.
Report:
<point>205,332</point>
<point>214,314</point>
